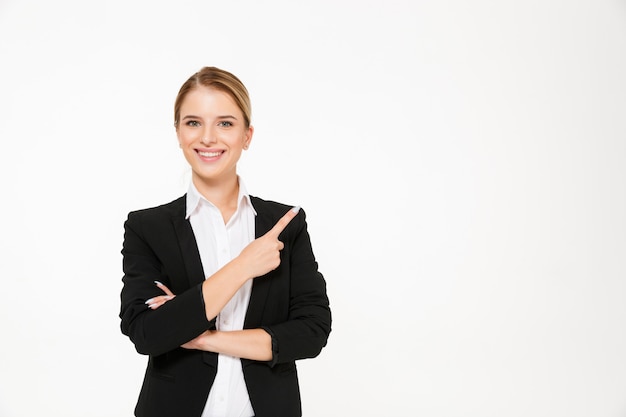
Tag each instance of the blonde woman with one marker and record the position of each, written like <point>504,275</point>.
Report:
<point>221,288</point>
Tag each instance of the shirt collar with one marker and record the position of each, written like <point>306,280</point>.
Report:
<point>195,199</point>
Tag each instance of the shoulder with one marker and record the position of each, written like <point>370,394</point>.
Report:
<point>174,208</point>
<point>273,209</point>
<point>268,206</point>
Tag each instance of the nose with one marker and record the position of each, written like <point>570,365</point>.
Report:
<point>208,137</point>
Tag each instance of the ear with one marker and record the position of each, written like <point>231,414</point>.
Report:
<point>180,145</point>
<point>248,137</point>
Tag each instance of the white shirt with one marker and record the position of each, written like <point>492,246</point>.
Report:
<point>218,244</point>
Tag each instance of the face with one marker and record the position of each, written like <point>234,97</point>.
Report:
<point>212,134</point>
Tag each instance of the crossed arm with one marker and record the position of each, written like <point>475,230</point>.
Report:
<point>258,258</point>
<point>254,344</point>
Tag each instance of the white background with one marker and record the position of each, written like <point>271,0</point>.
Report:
<point>462,165</point>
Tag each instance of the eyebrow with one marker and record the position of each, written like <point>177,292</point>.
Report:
<point>226,116</point>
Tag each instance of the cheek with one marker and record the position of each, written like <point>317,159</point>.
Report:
<point>187,137</point>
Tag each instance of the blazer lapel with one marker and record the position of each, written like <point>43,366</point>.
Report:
<point>263,222</point>
<point>188,246</point>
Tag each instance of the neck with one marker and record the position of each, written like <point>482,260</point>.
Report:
<point>223,194</point>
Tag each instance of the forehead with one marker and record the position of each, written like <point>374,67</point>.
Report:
<point>203,99</point>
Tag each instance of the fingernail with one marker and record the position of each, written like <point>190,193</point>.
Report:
<point>158,283</point>
<point>149,301</point>
<point>295,209</point>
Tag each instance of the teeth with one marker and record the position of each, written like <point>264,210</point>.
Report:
<point>209,154</point>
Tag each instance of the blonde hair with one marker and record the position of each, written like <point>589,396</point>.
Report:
<point>218,79</point>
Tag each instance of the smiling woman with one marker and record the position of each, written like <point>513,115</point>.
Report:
<point>221,288</point>
<point>212,133</point>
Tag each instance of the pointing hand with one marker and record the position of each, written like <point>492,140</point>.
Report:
<point>263,254</point>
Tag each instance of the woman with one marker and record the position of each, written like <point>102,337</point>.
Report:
<point>221,288</point>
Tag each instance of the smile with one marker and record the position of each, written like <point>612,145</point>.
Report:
<point>205,154</point>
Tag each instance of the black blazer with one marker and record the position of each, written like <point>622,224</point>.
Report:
<point>289,302</point>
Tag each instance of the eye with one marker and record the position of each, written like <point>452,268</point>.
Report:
<point>225,123</point>
<point>193,123</point>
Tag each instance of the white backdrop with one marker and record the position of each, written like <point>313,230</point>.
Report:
<point>462,165</point>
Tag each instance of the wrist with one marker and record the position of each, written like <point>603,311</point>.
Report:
<point>240,270</point>
<point>208,342</point>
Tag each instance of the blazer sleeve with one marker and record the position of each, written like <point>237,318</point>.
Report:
<point>306,331</point>
<point>148,257</point>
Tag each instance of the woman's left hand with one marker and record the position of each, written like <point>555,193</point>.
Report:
<point>159,300</point>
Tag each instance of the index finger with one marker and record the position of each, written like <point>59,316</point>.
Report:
<point>284,221</point>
